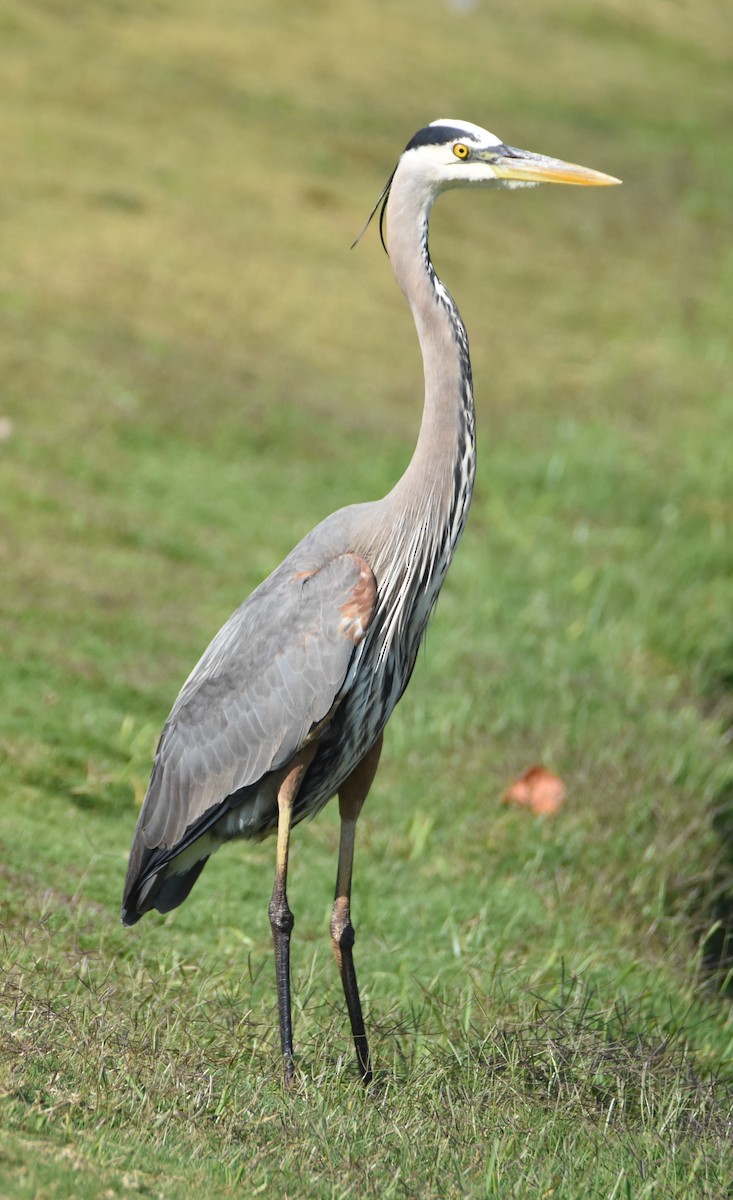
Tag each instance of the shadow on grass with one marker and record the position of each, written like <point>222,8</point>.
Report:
<point>617,1064</point>
<point>712,899</point>
<point>716,900</point>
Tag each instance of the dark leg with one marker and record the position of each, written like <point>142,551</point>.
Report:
<point>281,918</point>
<point>352,795</point>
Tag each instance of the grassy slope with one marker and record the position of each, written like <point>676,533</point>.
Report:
<point>197,370</point>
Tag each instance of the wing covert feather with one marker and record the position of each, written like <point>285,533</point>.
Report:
<point>272,674</point>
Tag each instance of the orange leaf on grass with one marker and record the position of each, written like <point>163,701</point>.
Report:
<point>538,790</point>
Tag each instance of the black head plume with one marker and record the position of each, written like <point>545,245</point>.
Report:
<point>383,198</point>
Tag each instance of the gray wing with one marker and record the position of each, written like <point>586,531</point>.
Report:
<point>270,678</point>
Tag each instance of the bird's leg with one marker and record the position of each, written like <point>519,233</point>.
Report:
<point>281,918</point>
<point>352,794</point>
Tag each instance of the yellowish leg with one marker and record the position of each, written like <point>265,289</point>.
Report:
<point>281,918</point>
<point>352,795</point>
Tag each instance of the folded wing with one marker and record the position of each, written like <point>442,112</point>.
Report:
<point>264,688</point>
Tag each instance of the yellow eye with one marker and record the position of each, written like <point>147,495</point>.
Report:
<point>460,150</point>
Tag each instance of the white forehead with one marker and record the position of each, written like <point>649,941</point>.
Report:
<point>471,130</point>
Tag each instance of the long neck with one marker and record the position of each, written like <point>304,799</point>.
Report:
<point>438,482</point>
<point>417,525</point>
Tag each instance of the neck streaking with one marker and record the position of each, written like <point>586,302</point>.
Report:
<point>426,511</point>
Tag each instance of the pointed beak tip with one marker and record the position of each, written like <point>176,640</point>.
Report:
<point>609,180</point>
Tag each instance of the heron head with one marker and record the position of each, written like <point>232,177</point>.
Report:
<point>450,153</point>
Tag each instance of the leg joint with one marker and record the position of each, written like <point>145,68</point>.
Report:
<point>281,918</point>
<point>343,934</point>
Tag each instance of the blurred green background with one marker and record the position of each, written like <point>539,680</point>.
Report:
<point>195,369</point>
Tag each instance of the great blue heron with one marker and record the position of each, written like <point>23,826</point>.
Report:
<point>287,706</point>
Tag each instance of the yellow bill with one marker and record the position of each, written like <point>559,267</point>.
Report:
<point>524,167</point>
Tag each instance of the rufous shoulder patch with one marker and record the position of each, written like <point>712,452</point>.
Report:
<point>358,610</point>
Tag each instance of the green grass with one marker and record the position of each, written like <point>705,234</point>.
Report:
<point>196,370</point>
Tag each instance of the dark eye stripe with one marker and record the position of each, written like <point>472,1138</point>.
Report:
<point>436,135</point>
